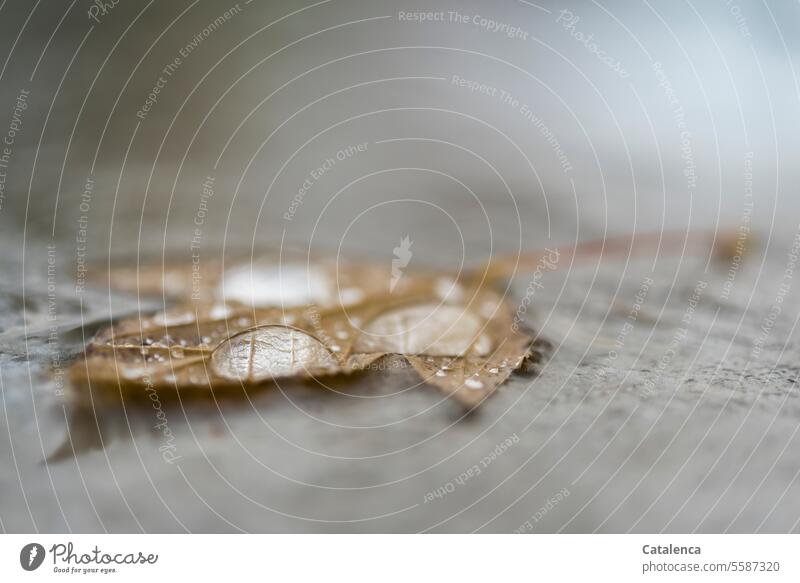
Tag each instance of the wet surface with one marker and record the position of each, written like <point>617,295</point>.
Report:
<point>669,398</point>
<point>681,429</point>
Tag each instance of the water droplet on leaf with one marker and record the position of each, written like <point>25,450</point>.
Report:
<point>430,329</point>
<point>269,353</point>
<point>474,384</point>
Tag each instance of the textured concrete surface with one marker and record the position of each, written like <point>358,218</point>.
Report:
<point>660,425</point>
<point>681,417</point>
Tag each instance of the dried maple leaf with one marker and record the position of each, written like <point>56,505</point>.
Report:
<point>193,349</point>
<point>217,353</point>
<point>264,320</point>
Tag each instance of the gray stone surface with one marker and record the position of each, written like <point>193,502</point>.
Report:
<point>636,430</point>
<point>646,427</point>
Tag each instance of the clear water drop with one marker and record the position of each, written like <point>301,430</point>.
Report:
<point>474,384</point>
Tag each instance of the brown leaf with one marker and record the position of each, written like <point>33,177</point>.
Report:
<point>466,350</point>
<point>189,327</point>
<point>219,349</point>
<point>171,279</point>
<point>427,328</point>
<point>457,335</point>
<point>275,352</point>
<point>472,379</point>
<point>258,283</point>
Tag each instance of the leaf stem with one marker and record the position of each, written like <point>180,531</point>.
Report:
<point>667,243</point>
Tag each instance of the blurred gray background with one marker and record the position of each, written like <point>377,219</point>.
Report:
<point>278,88</point>
<point>573,121</point>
